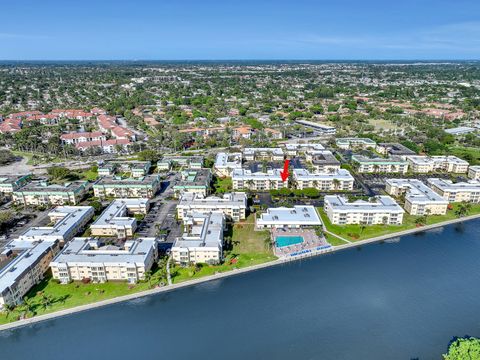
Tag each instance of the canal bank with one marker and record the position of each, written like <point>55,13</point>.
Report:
<point>218,276</point>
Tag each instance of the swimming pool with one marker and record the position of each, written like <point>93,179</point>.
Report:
<point>288,240</point>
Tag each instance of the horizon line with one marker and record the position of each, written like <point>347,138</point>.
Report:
<point>252,59</point>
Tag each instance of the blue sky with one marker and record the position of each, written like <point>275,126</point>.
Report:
<point>242,29</point>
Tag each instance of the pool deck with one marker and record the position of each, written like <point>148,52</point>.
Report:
<point>311,241</point>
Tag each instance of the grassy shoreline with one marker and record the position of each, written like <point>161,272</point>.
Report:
<point>355,233</point>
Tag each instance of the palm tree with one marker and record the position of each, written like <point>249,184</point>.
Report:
<point>463,209</point>
<point>27,307</point>
<point>420,220</point>
<point>148,277</point>
<point>336,183</point>
<point>8,310</point>
<point>46,301</point>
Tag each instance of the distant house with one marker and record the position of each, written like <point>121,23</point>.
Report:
<point>82,137</point>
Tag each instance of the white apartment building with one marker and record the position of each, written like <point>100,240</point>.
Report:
<point>114,220</point>
<point>10,183</point>
<point>258,181</point>
<point>87,258</point>
<point>202,240</point>
<point>426,164</point>
<point>67,222</point>
<point>26,259</point>
<point>321,129</point>
<point>297,149</point>
<point>419,198</point>
<point>474,172</point>
<point>323,161</point>
<point>43,193</point>
<point>225,163</point>
<point>355,143</point>
<point>143,187</point>
<point>456,192</point>
<point>339,180</point>
<point>260,154</point>
<point>380,210</point>
<point>380,165</point>
<point>25,265</point>
<point>194,181</point>
<point>299,216</point>
<point>233,205</point>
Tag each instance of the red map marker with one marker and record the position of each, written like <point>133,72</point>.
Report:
<point>284,174</point>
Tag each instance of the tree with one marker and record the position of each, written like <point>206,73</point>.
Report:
<point>8,310</point>
<point>148,277</point>
<point>311,192</point>
<point>27,307</point>
<point>46,301</point>
<point>6,218</point>
<point>58,172</point>
<point>421,220</point>
<point>463,349</point>
<point>6,157</point>
<point>463,209</point>
<point>148,155</point>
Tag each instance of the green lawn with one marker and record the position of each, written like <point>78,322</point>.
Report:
<point>472,155</point>
<point>223,185</point>
<point>75,294</point>
<point>38,158</point>
<point>91,174</point>
<point>249,248</point>
<point>356,232</point>
<point>333,240</point>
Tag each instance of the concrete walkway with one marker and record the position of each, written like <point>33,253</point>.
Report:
<point>335,235</point>
<point>218,276</point>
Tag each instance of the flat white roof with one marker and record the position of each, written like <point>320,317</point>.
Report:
<point>228,160</point>
<point>460,130</point>
<point>29,253</point>
<point>69,216</point>
<point>417,191</point>
<point>449,186</point>
<point>244,174</point>
<point>85,251</point>
<point>349,140</point>
<point>205,231</point>
<point>316,125</point>
<point>252,151</point>
<point>305,175</point>
<point>379,204</point>
<point>235,199</point>
<point>304,146</point>
<point>298,215</point>
<point>114,214</point>
<point>425,160</point>
<point>394,160</point>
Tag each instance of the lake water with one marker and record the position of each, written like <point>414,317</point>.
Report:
<point>400,300</point>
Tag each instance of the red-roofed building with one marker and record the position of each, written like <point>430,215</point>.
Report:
<point>81,137</point>
<point>107,146</point>
<point>120,132</point>
<point>24,114</point>
<point>10,126</point>
<point>72,114</point>
<point>48,119</point>
<point>98,111</point>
